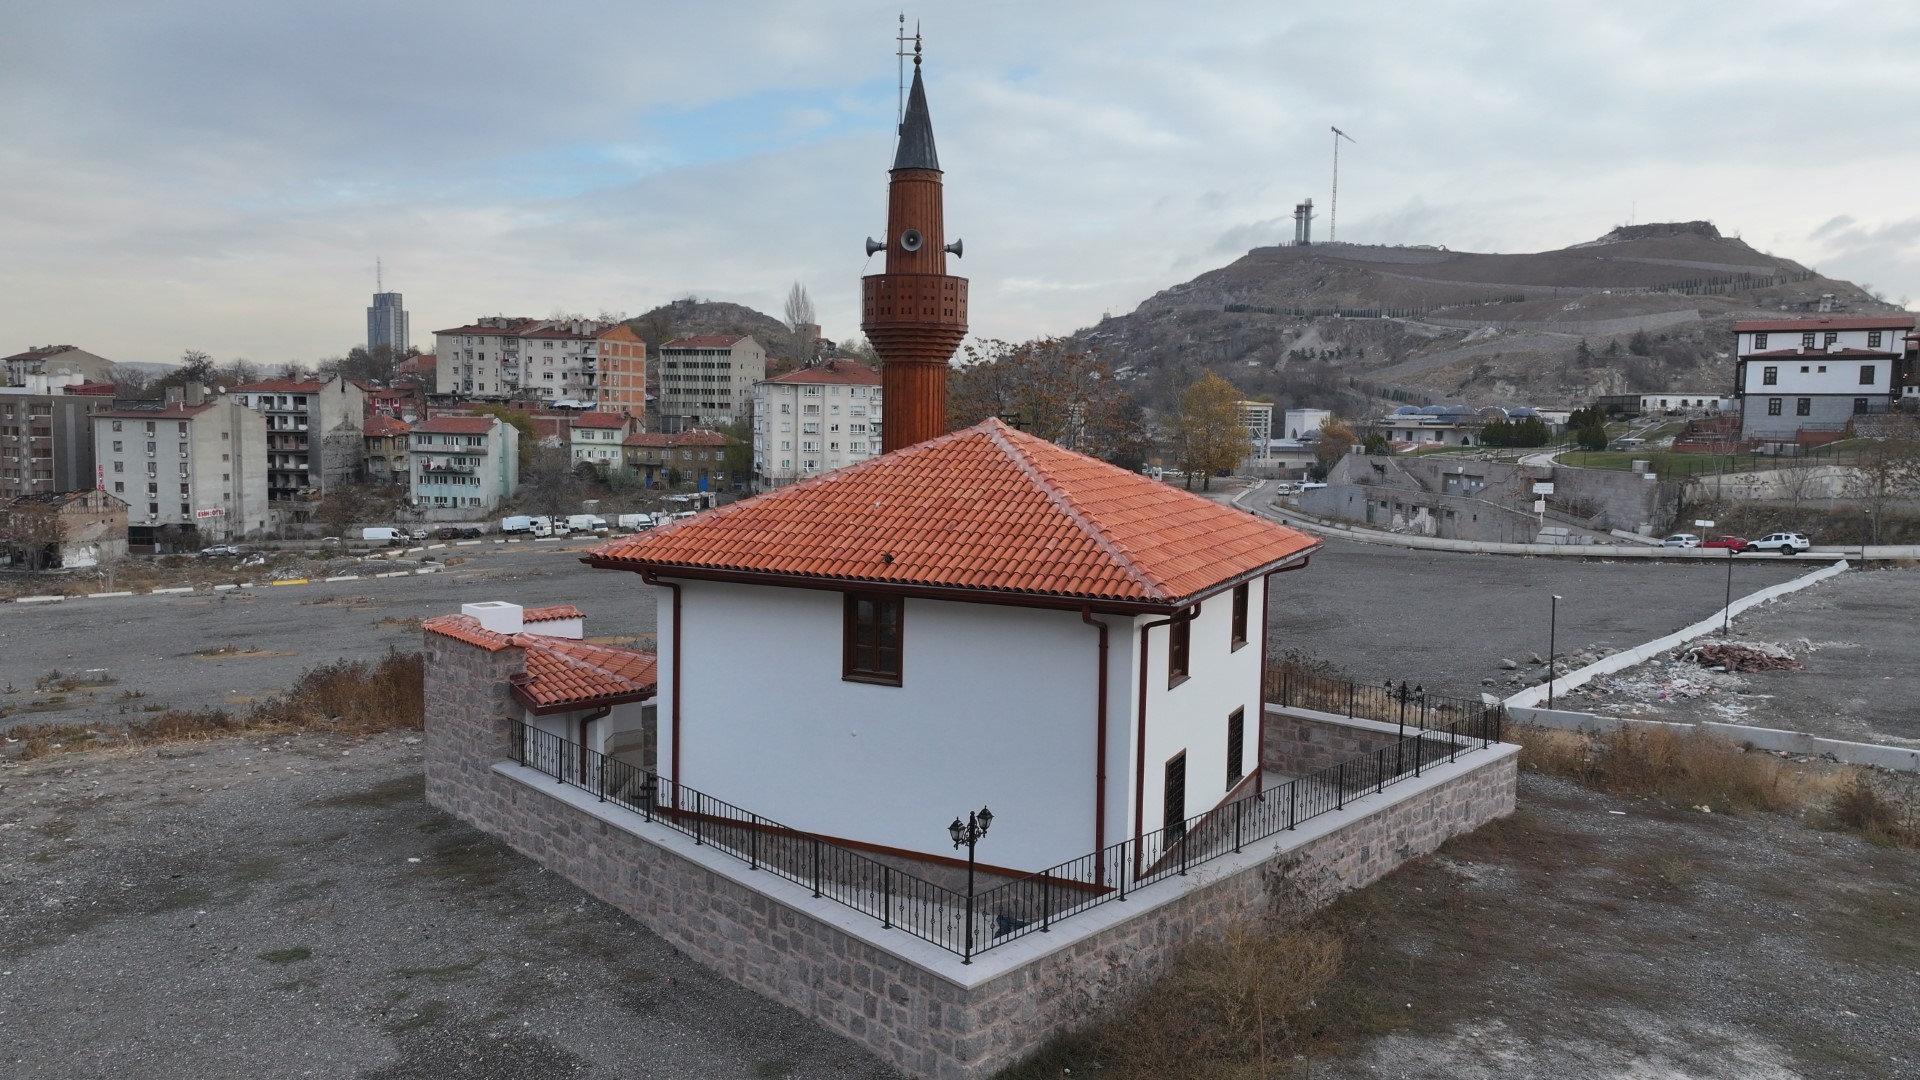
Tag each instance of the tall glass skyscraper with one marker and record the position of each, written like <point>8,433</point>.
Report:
<point>387,323</point>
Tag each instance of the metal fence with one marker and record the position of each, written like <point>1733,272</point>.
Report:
<point>969,923</point>
<point>1388,702</point>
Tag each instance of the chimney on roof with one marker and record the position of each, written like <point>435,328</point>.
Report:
<point>497,616</point>
<point>194,393</point>
<point>174,395</point>
<point>916,313</point>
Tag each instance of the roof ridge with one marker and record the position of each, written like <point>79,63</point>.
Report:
<point>996,431</point>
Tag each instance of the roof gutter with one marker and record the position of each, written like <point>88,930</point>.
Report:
<point>1099,754</point>
<point>674,706</point>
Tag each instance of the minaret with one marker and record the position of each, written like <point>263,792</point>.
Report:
<point>915,312</point>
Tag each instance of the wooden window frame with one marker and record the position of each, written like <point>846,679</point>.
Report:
<point>1179,651</point>
<point>1236,746</point>
<point>1240,604</point>
<point>1173,829</point>
<point>855,667</point>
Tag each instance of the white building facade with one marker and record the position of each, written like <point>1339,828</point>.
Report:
<point>197,461</point>
<point>814,420</point>
<point>1795,376</point>
<point>707,382</point>
<point>467,462</point>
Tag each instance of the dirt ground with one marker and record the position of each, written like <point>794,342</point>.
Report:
<point>1853,637</point>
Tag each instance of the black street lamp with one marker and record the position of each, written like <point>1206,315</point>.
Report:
<point>1402,695</point>
<point>966,835</point>
<point>1726,613</point>
<point>1553,629</point>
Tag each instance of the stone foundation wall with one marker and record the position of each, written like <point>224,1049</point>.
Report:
<point>1295,745</point>
<point>919,1020</point>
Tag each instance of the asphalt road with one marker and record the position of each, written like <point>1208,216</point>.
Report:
<point>1438,618</point>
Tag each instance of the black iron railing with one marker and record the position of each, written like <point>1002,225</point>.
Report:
<point>1389,702</point>
<point>1004,912</point>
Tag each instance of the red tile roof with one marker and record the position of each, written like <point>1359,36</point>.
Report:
<point>564,674</point>
<point>281,386</point>
<point>513,326</point>
<point>91,389</point>
<point>599,420</point>
<point>987,509</point>
<point>665,441</point>
<point>455,425</point>
<point>1876,322</point>
<point>174,410</point>
<point>839,372</point>
<point>41,353</point>
<point>711,341</point>
<point>1814,354</point>
<point>380,427</point>
<point>551,614</point>
<point>468,629</point>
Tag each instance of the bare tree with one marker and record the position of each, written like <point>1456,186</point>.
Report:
<point>35,533</point>
<point>195,366</point>
<point>1888,471</point>
<point>1052,387</point>
<point>549,485</point>
<point>800,320</point>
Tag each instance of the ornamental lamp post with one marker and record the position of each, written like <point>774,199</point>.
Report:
<point>967,834</point>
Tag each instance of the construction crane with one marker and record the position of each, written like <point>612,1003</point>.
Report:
<point>1333,205</point>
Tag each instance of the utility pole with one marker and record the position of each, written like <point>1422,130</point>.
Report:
<point>1333,207</point>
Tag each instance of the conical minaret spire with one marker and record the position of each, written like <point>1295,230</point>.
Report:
<point>915,312</point>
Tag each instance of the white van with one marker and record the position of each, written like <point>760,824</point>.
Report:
<point>586,523</point>
<point>382,534</point>
<point>634,522</point>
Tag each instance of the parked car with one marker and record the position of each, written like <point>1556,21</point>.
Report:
<point>1681,540</point>
<point>469,534</point>
<point>218,549</point>
<point>446,532</point>
<point>1734,544</point>
<point>1784,543</point>
<point>419,533</point>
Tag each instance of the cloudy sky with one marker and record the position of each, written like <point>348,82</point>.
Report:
<point>221,174</point>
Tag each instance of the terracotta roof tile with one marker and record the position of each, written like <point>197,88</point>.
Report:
<point>550,614</point>
<point>455,425</point>
<point>836,372</point>
<point>562,672</point>
<point>987,508</point>
<point>379,427</point>
<point>685,438</point>
<point>468,629</point>
<point>1874,322</point>
<point>599,420</point>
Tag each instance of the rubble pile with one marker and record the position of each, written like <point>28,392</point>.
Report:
<point>1727,656</point>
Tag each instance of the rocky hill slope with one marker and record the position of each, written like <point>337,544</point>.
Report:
<point>1346,325</point>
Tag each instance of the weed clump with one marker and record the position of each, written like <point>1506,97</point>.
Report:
<point>1873,809</point>
<point>1692,768</point>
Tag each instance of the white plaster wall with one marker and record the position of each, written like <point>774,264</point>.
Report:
<point>997,707</point>
<point>1193,715</point>
<point>1890,339</point>
<point>1841,377</point>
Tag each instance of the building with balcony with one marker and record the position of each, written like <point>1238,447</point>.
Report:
<point>470,462</point>
<point>696,458</point>
<point>46,436</point>
<point>814,420</point>
<point>623,371</point>
<point>192,462</point>
<point>707,382</point>
<point>1805,380</point>
<point>314,433</point>
<point>387,440</point>
<point>480,360</point>
<point>560,363</point>
<point>57,360</point>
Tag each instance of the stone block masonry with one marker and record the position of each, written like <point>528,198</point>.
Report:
<point>914,1005</point>
<point>1300,741</point>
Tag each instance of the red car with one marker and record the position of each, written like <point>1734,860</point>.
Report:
<point>1734,544</point>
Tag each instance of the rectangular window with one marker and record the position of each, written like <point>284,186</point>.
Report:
<point>1239,616</point>
<point>1803,406</point>
<point>1859,406</point>
<point>1769,376</point>
<point>1866,375</point>
<point>1179,638</point>
<point>1806,340</point>
<point>1832,336</point>
<point>1173,811</point>
<point>1873,339</point>
<point>119,488</point>
<point>1759,342</point>
<point>116,425</point>
<point>1773,406</point>
<point>1236,746</point>
<point>871,638</point>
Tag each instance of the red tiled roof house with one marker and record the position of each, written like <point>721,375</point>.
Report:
<point>981,619</point>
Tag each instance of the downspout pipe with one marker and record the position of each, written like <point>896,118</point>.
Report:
<point>673,705</point>
<point>1266,629</point>
<point>600,713</point>
<point>1140,747</point>
<point>1099,755</point>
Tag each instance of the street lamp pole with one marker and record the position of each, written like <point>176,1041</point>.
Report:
<point>1726,613</point>
<point>1553,630</point>
<point>967,834</point>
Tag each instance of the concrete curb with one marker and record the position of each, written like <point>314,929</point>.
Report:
<point>40,600</point>
<point>103,595</point>
<point>1627,658</point>
<point>169,592</point>
<point>1900,758</point>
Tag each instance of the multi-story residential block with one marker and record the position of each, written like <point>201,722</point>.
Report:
<point>708,381</point>
<point>387,323</point>
<point>814,420</point>
<point>314,433</point>
<point>481,359</point>
<point>623,371</point>
<point>559,363</point>
<point>386,440</point>
<point>192,461</point>
<point>1806,379</point>
<point>698,458</point>
<point>57,360</point>
<point>596,438</point>
<point>463,461</point>
<point>46,439</point>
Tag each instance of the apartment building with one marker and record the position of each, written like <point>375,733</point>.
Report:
<point>57,360</point>
<point>623,371</point>
<point>314,433</point>
<point>706,382</point>
<point>480,359</point>
<point>696,458</point>
<point>387,323</point>
<point>595,438</point>
<point>386,439</point>
<point>471,462</point>
<point>46,435</point>
<point>1806,379</point>
<point>814,420</point>
<point>192,461</point>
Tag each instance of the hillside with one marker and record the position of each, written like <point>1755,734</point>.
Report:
<point>1338,324</point>
<point>693,317</point>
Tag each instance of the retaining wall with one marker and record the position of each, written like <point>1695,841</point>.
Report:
<point>911,1003</point>
<point>1299,741</point>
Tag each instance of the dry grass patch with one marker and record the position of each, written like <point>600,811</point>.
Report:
<point>351,697</point>
<point>1879,809</point>
<point>1689,769</point>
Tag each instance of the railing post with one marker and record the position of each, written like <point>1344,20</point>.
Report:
<point>1236,825</point>
<point>1123,870</point>
<point>1349,699</point>
<point>1293,789</point>
<point>520,742</point>
<point>1183,852</point>
<point>886,897</point>
<point>753,841</point>
<point>600,777</point>
<point>1340,786</point>
<point>699,836</point>
<point>1046,903</point>
<point>816,866</point>
<point>1419,746</point>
